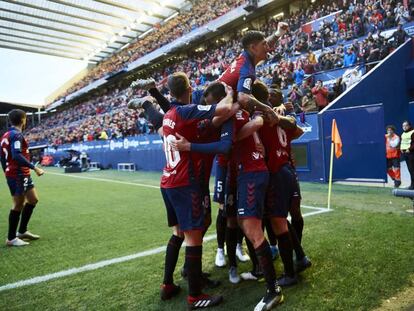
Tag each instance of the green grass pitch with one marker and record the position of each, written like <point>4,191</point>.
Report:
<point>362,251</point>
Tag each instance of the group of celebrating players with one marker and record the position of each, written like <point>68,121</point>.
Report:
<point>233,122</point>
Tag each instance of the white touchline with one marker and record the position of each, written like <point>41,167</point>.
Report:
<point>105,263</point>
<point>107,180</point>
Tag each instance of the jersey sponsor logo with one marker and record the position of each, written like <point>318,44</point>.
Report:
<point>247,84</point>
<point>17,144</point>
<point>204,107</point>
<point>168,122</point>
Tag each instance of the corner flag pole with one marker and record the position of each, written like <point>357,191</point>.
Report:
<point>330,175</point>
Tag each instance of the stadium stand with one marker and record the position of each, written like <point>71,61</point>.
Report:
<point>334,48</point>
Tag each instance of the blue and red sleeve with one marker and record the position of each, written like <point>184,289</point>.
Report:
<point>195,112</point>
<point>247,76</point>
<point>222,146</point>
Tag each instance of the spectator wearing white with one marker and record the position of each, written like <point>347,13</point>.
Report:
<point>351,77</point>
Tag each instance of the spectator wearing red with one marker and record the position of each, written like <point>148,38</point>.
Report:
<point>321,95</point>
<point>393,154</point>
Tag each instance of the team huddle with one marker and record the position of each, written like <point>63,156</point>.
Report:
<point>233,122</point>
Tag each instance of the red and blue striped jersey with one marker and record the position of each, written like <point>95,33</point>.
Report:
<point>183,167</point>
<point>12,144</point>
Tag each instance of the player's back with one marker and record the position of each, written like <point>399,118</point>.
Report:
<point>276,141</point>
<point>182,167</point>
<point>245,153</point>
<point>13,141</point>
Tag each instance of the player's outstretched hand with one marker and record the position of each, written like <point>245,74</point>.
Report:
<point>260,148</point>
<point>229,90</point>
<point>282,28</point>
<point>39,171</point>
<point>180,144</point>
<point>281,109</point>
<point>271,117</point>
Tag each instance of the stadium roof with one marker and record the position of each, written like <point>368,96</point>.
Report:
<point>79,29</point>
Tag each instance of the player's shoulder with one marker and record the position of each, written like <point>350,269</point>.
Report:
<point>15,134</point>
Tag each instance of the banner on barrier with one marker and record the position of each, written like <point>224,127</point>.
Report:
<point>142,142</point>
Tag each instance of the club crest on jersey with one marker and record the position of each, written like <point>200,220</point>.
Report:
<point>247,84</point>
<point>204,107</point>
<point>17,144</point>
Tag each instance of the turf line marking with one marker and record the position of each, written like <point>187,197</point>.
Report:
<point>146,186</point>
<point>105,263</point>
<point>107,180</point>
<point>90,267</point>
<point>314,207</point>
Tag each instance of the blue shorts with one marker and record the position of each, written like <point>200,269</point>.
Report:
<point>184,207</point>
<point>230,201</point>
<point>220,183</point>
<point>206,200</point>
<point>251,190</point>
<point>19,185</point>
<point>283,187</point>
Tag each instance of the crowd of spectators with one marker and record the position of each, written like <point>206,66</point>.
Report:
<point>99,119</point>
<point>352,37</point>
<point>201,13</point>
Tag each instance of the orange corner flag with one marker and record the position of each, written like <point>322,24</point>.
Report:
<point>336,139</point>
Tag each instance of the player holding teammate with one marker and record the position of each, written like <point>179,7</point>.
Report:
<point>15,161</point>
<point>181,189</point>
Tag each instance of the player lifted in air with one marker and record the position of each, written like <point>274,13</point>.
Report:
<point>15,160</point>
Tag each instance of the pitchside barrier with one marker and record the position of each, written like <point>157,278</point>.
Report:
<point>382,97</point>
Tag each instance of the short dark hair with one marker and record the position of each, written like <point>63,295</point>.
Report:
<point>408,122</point>
<point>391,127</point>
<point>16,116</point>
<point>252,36</point>
<point>216,89</point>
<point>260,91</point>
<point>178,84</point>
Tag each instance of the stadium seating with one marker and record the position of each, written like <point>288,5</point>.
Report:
<point>305,47</point>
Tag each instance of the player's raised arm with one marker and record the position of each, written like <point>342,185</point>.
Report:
<point>282,28</point>
<point>225,108</point>
<point>250,103</point>
<point>150,86</point>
